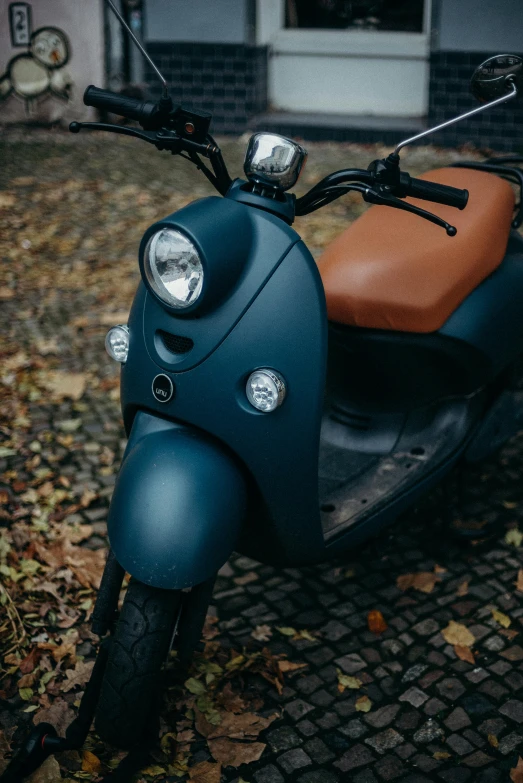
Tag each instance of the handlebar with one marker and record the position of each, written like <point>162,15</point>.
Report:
<point>133,108</point>
<point>433,191</point>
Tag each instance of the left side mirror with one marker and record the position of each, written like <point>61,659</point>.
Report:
<point>495,77</point>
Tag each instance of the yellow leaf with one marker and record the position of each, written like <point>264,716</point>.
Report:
<point>346,681</point>
<point>441,755</point>
<point>464,653</point>
<point>501,618</point>
<point>363,704</point>
<point>457,634</point>
<point>286,631</point>
<point>493,740</point>
<point>519,581</point>
<point>514,537</point>
<point>90,762</point>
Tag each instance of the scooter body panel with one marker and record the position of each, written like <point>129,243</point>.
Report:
<point>177,507</point>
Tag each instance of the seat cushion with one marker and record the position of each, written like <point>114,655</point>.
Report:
<point>394,270</point>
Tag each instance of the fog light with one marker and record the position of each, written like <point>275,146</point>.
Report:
<point>117,343</point>
<point>266,390</point>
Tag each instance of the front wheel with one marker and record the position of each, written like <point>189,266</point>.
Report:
<point>140,646</point>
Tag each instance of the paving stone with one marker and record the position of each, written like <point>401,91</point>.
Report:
<point>476,704</point>
<point>459,744</point>
<point>477,759</point>
<point>298,708</point>
<point>318,776</point>
<point>513,709</point>
<point>414,696</point>
<point>390,768</point>
<point>269,774</point>
<point>510,743</point>
<point>385,740</point>
<point>455,775</point>
<point>514,653</point>
<point>318,751</point>
<point>382,716</point>
<point>431,730</point>
<point>414,672</point>
<point>408,720</point>
<point>294,759</point>
<point>405,751</point>
<point>450,688</point>
<point>434,707</point>
<point>476,675</point>
<point>358,756</point>
<point>351,664</point>
<point>424,762</point>
<point>353,729</point>
<point>283,738</point>
<point>426,627</point>
<point>493,726</point>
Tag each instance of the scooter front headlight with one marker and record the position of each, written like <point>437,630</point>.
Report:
<point>173,268</point>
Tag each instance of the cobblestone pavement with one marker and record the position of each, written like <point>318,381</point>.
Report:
<point>434,717</point>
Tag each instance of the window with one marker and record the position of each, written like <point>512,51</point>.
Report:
<point>391,15</point>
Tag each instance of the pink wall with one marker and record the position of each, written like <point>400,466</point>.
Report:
<point>82,23</point>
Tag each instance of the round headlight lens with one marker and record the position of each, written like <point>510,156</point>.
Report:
<point>173,268</point>
<point>266,390</point>
<point>117,343</point>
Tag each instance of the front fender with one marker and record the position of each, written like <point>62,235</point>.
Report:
<point>177,507</point>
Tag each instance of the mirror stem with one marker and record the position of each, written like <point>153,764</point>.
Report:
<point>511,94</point>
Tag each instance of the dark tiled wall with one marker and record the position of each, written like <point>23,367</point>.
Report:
<point>500,128</point>
<point>228,80</point>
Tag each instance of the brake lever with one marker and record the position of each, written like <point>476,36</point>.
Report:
<point>76,127</point>
<point>387,200</point>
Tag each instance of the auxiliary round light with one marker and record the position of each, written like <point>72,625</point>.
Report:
<point>266,390</point>
<point>173,268</point>
<point>117,343</point>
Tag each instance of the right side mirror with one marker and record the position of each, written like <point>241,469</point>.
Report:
<point>495,77</point>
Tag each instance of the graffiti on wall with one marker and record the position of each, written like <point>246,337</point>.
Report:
<point>39,72</point>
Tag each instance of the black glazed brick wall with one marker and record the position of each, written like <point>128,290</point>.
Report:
<point>500,128</point>
<point>228,80</point>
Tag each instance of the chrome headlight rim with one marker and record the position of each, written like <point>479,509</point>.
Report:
<point>157,288</point>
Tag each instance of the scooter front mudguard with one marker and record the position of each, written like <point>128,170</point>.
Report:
<point>178,505</point>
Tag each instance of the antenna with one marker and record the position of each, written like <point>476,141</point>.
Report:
<point>126,27</point>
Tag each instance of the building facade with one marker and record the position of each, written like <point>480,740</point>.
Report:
<point>342,70</point>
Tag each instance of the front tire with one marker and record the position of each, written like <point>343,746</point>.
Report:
<point>139,648</point>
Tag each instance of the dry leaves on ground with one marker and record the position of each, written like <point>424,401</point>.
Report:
<point>519,581</point>
<point>501,618</point>
<point>376,622</point>
<point>423,581</point>
<point>205,772</point>
<point>458,635</point>
<point>464,653</point>
<point>516,774</point>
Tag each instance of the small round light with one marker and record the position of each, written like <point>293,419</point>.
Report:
<point>266,390</point>
<point>173,268</point>
<point>117,343</point>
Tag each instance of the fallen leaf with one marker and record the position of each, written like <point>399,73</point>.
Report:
<point>441,755</point>
<point>90,762</point>
<point>458,635</point>
<point>78,676</point>
<point>376,622</point>
<point>205,772</point>
<point>463,589</point>
<point>49,772</point>
<point>363,704</point>
<point>501,618</point>
<point>514,537</point>
<point>63,384</point>
<point>423,582</point>
<point>516,774</point>
<point>519,581</point>
<point>464,653</point>
<point>493,740</point>
<point>195,686</point>
<point>234,754</point>
<point>244,726</point>
<point>262,633</point>
<point>288,666</point>
<point>229,700</point>
<point>346,681</point>
<point>286,631</point>
<point>59,715</point>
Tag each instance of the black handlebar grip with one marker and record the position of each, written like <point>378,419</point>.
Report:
<point>440,194</point>
<point>132,108</point>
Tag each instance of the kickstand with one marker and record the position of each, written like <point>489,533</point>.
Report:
<point>44,741</point>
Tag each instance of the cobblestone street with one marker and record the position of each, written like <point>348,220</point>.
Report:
<point>436,713</point>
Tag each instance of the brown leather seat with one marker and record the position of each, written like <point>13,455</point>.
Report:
<point>393,270</point>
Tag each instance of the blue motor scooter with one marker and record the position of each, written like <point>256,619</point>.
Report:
<point>288,409</point>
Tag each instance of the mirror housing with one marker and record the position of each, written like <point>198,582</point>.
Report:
<point>494,78</point>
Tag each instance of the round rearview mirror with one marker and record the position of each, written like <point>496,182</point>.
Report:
<point>495,77</point>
